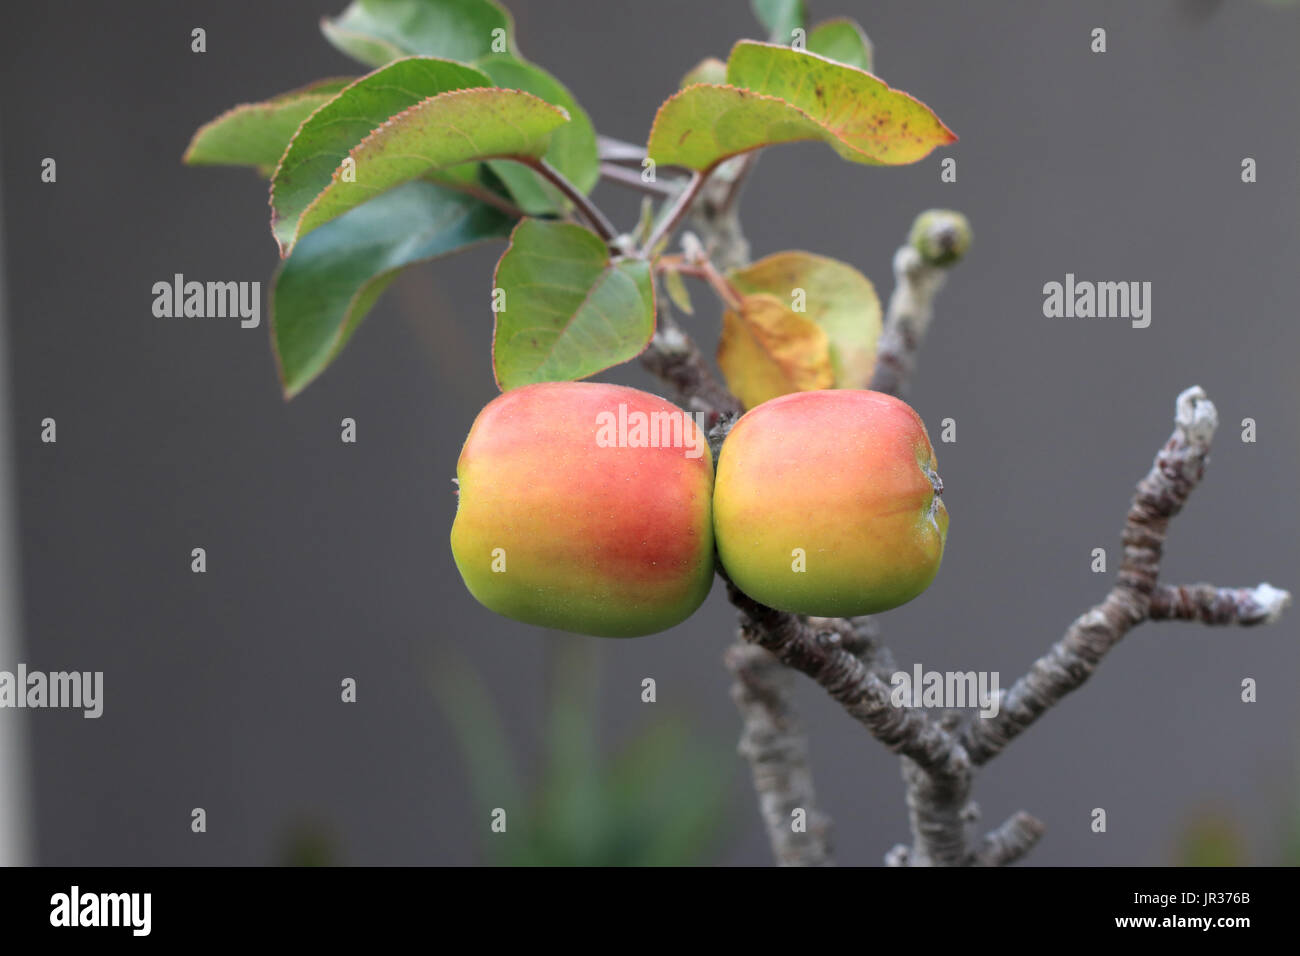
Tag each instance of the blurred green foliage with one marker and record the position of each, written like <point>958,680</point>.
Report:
<point>661,799</point>
<point>1211,838</point>
<point>1214,837</point>
<point>308,842</point>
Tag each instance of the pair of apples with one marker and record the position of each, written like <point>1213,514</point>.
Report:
<point>826,503</point>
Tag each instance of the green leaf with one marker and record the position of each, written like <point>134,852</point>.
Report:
<point>380,31</point>
<point>255,134</point>
<point>841,40</point>
<point>323,141</point>
<point>334,276</point>
<point>676,289</point>
<point>425,115</point>
<point>781,17</point>
<point>468,176</point>
<point>570,310</point>
<point>836,296</point>
<point>445,130</point>
<point>780,95</point>
<point>573,146</point>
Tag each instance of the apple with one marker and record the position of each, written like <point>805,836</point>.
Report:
<point>585,507</point>
<point>828,503</point>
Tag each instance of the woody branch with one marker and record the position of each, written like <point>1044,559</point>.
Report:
<point>1136,595</point>
<point>939,754</point>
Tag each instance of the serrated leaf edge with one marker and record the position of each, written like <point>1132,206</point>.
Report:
<point>283,99</point>
<point>380,130</point>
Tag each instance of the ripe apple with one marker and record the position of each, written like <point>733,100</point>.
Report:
<point>827,503</point>
<point>585,507</point>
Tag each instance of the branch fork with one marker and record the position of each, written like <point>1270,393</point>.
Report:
<point>940,752</point>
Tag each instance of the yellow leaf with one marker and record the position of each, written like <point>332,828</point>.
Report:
<point>834,295</point>
<point>766,351</point>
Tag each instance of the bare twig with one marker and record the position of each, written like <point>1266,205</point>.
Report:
<point>613,150</point>
<point>939,808</point>
<point>899,855</point>
<point>939,813</point>
<point>632,179</point>
<point>774,744</point>
<point>1261,604</point>
<point>911,307</point>
<point>717,217</point>
<point>1010,841</point>
<point>819,653</point>
<point>675,358</point>
<point>860,636</point>
<point>1135,596</point>
<point>938,240</point>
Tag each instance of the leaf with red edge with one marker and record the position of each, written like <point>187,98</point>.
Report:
<point>409,118</point>
<point>255,134</point>
<point>775,94</point>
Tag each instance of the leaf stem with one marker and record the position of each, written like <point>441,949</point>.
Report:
<point>632,179</point>
<point>737,181</point>
<point>586,208</point>
<point>678,212</point>
<point>708,272</point>
<point>619,151</point>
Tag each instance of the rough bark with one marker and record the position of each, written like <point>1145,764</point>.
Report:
<point>940,753</point>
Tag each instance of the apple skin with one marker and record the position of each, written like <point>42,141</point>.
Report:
<point>847,475</point>
<point>609,541</point>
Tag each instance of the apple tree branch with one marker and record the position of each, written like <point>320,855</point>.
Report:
<point>940,753</point>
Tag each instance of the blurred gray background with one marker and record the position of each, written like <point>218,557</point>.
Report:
<point>328,560</point>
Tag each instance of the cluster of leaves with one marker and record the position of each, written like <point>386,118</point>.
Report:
<point>454,137</point>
